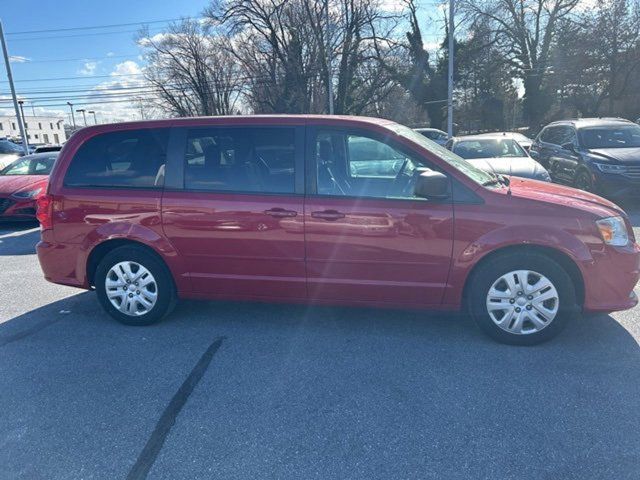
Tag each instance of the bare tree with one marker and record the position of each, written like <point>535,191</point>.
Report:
<point>525,31</point>
<point>192,70</point>
<point>289,52</point>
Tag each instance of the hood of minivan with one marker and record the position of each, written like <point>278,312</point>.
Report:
<point>560,195</point>
<point>621,155</point>
<point>519,166</point>
<point>12,183</point>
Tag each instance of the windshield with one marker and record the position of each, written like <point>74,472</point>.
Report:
<point>625,136</point>
<point>488,148</point>
<point>31,165</point>
<point>474,173</point>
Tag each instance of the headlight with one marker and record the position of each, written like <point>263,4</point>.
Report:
<point>613,231</point>
<point>611,168</point>
<point>25,194</point>
<point>543,175</point>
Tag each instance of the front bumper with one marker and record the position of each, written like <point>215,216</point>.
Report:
<point>610,280</point>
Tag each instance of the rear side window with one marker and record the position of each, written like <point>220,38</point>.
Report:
<point>246,160</point>
<point>126,159</point>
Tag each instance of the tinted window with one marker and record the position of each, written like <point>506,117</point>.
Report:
<point>357,166</point>
<point>552,135</point>
<point>31,165</point>
<point>132,158</point>
<point>252,160</point>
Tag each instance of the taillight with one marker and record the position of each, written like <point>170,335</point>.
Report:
<point>44,212</point>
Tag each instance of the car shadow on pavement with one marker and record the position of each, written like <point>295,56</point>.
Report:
<point>358,393</point>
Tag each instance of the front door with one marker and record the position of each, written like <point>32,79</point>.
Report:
<point>368,238</point>
<point>228,207</point>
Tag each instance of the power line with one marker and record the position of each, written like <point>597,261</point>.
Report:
<point>96,27</point>
<point>53,37</point>
<point>83,59</point>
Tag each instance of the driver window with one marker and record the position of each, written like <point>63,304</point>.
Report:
<point>358,166</point>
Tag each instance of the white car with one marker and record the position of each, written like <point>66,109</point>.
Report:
<point>9,151</point>
<point>434,134</point>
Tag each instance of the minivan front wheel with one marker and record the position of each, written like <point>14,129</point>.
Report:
<point>134,286</point>
<point>521,299</point>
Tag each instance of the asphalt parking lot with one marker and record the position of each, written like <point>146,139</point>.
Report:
<point>229,390</point>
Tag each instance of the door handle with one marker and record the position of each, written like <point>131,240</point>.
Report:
<point>281,212</point>
<point>330,215</point>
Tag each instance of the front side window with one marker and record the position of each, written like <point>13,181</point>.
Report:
<point>358,166</point>
<point>244,159</point>
<point>474,173</point>
<point>127,159</point>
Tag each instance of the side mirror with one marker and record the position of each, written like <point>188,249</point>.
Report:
<point>568,146</point>
<point>432,185</point>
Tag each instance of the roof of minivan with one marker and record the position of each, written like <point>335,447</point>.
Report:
<point>245,119</point>
<point>592,122</point>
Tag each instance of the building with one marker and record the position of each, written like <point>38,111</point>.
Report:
<point>40,129</point>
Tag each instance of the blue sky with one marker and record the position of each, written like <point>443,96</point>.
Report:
<point>106,58</point>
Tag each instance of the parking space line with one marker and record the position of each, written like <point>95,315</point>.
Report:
<point>148,456</point>
<point>19,233</point>
<point>29,331</point>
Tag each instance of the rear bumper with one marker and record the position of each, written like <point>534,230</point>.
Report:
<point>59,264</point>
<point>611,279</point>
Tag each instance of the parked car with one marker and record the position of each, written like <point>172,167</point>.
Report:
<point>524,141</point>
<point>434,134</point>
<point>600,155</point>
<point>498,154</point>
<point>9,152</point>
<point>131,211</point>
<point>21,183</point>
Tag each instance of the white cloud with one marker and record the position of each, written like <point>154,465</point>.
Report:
<point>110,54</point>
<point>18,59</point>
<point>128,67</point>
<point>89,68</point>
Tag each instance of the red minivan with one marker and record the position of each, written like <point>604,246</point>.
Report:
<point>327,210</point>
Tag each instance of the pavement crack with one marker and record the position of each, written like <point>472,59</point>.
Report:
<point>150,452</point>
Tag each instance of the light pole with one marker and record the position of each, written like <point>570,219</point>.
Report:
<point>21,103</point>
<point>452,9</point>
<point>7,64</point>
<point>95,119</point>
<point>329,60</point>
<point>84,115</point>
<point>73,117</point>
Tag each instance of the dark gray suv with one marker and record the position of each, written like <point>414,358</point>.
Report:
<point>600,155</point>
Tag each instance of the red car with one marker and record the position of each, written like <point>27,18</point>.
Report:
<point>358,211</point>
<point>21,183</point>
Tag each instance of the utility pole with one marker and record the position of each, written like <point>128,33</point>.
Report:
<point>329,60</point>
<point>452,9</point>
<point>84,115</point>
<point>73,117</point>
<point>95,119</point>
<point>5,52</point>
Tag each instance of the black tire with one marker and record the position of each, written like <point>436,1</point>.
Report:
<point>490,271</point>
<point>583,181</point>
<point>166,291</point>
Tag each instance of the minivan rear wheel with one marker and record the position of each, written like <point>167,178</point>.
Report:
<point>521,299</point>
<point>134,286</point>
